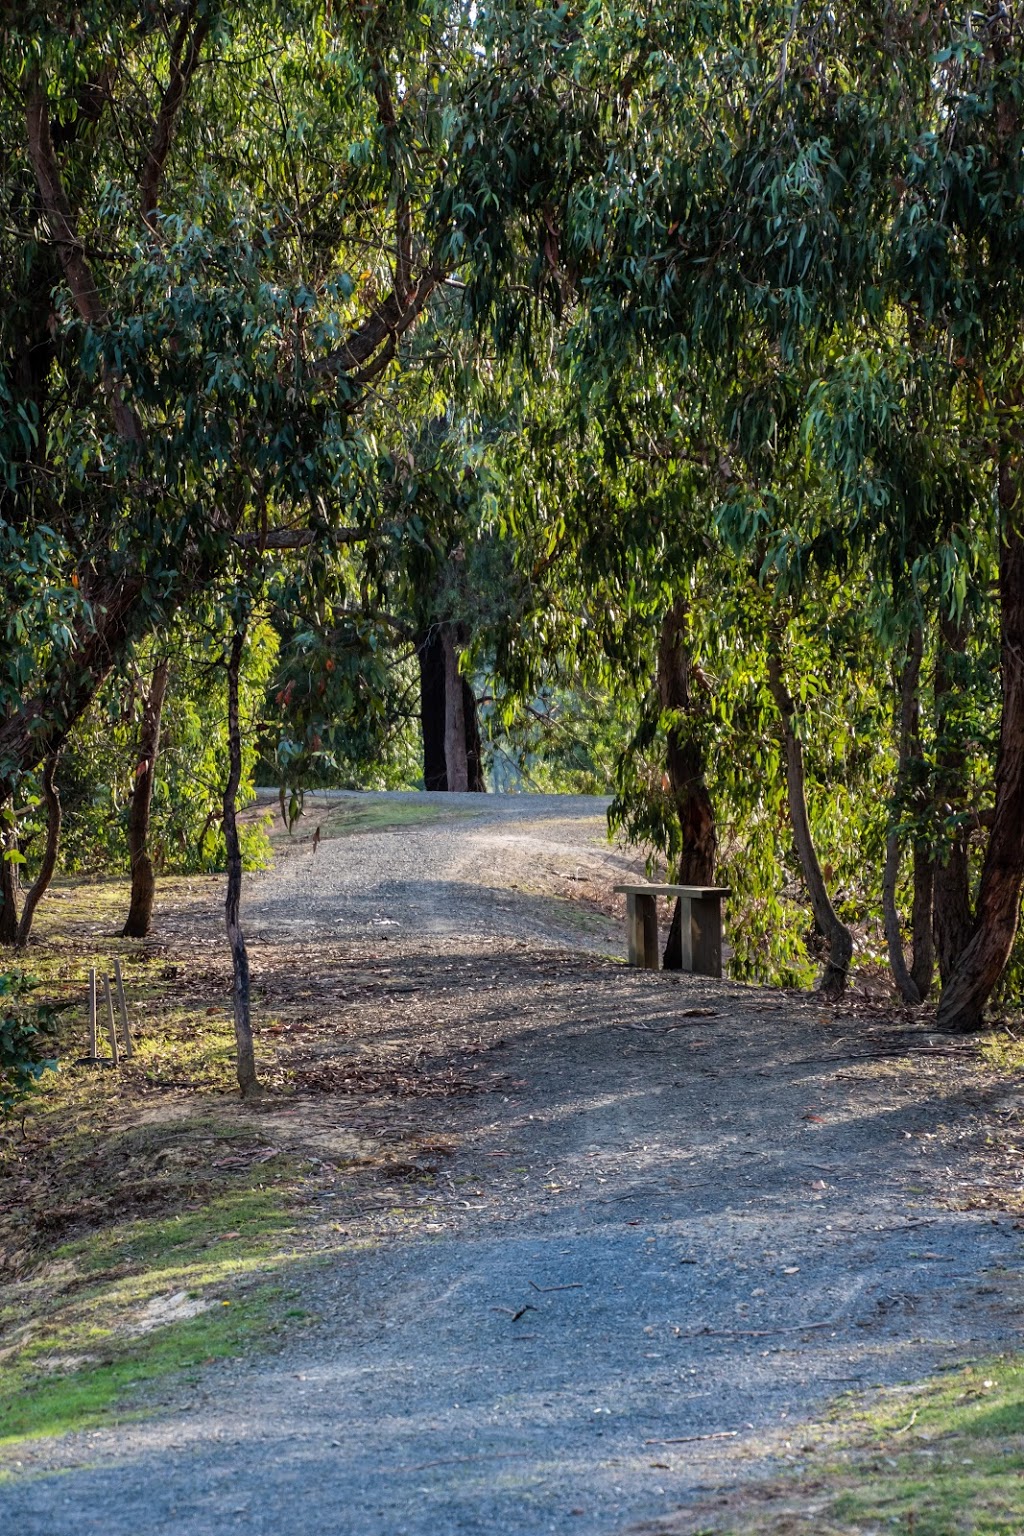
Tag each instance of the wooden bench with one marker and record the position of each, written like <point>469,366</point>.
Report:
<point>702,925</point>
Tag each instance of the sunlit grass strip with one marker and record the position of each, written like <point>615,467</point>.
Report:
<point>32,1406</point>
<point>945,1458</point>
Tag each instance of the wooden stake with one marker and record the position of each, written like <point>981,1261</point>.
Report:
<point>92,1012</point>
<point>129,1049</point>
<point>110,1021</point>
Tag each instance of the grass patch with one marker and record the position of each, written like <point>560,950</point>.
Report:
<point>138,1299</point>
<point>364,813</point>
<point>111,1387</point>
<point>1004,1051</point>
<point>943,1459</point>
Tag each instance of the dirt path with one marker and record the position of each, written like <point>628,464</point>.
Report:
<point>678,1210</point>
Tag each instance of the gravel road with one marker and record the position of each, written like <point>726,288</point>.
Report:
<point>687,1216</point>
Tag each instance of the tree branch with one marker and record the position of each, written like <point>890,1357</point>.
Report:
<point>387,322</point>
<point>403,214</point>
<point>49,863</point>
<point>182,70</point>
<point>298,538</point>
<point>58,210</point>
<point>73,260</point>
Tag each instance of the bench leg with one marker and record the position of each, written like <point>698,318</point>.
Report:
<point>642,931</point>
<point>685,934</point>
<point>704,931</point>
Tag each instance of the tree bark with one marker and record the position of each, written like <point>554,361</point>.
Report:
<point>456,757</point>
<point>909,752</point>
<point>38,888</point>
<point>430,655</point>
<point>452,751</point>
<point>954,921</point>
<point>837,935</point>
<point>140,910</point>
<point>923,969</point>
<point>982,962</point>
<point>695,864</point>
<point>474,750</point>
<point>245,1056</point>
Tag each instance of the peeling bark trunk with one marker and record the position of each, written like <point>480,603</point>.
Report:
<point>982,962</point>
<point>140,910</point>
<point>954,921</point>
<point>685,763</point>
<point>837,935</point>
<point>49,863</point>
<point>909,751</point>
<point>245,1056</point>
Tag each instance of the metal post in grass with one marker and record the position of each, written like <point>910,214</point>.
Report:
<point>115,1053</point>
<point>122,1004</point>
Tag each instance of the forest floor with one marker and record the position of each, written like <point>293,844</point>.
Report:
<point>518,1240</point>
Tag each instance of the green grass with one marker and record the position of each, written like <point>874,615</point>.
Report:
<point>370,813</point>
<point>1004,1051</point>
<point>946,1459</point>
<point>80,1357</point>
<point>344,818</point>
<point>953,1458</point>
<point>111,1388</point>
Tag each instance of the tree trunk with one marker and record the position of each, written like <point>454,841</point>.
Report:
<point>8,889</point>
<point>954,921</point>
<point>982,962</point>
<point>695,864</point>
<point>909,753</point>
<point>923,969</point>
<point>430,654</point>
<point>837,935</point>
<point>452,753</point>
<point>246,1060</point>
<point>474,751</point>
<point>140,911</point>
<point>456,756</point>
<point>49,863</point>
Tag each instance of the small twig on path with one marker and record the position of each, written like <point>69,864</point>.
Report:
<point>642,1194</point>
<point>458,1461</point>
<point>515,1316</point>
<point>888,1053</point>
<point>647,1029</point>
<point>716,1434</point>
<point>755,1333</point>
<point>577,1285</point>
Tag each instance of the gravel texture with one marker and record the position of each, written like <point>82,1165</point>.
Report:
<point>682,1209</point>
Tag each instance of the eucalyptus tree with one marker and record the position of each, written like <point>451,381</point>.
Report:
<point>212,250</point>
<point>748,190</point>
